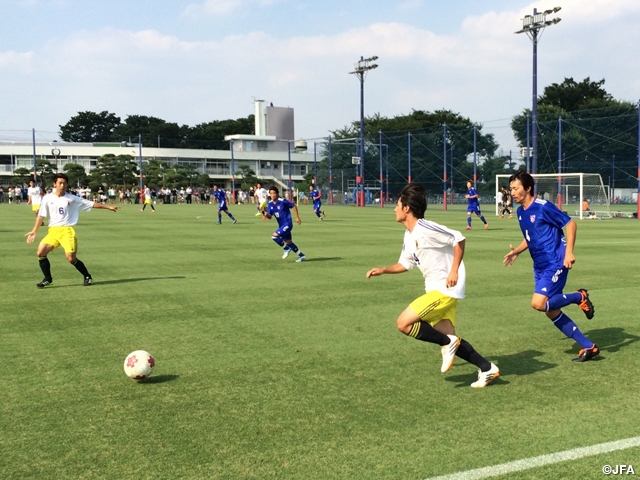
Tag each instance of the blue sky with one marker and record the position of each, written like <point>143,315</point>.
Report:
<point>196,61</point>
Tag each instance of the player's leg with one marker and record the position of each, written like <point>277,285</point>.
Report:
<point>47,245</point>
<point>233,220</point>
<point>468,220</point>
<point>479,214</point>
<point>69,242</point>
<point>219,216</point>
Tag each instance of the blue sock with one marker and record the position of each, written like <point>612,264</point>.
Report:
<point>483,220</point>
<point>318,213</point>
<point>562,300</point>
<point>571,330</point>
<point>468,221</point>
<point>293,247</point>
<point>278,240</point>
<point>219,218</point>
<point>231,216</point>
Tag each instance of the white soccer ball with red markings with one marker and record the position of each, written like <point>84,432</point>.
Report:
<point>139,365</point>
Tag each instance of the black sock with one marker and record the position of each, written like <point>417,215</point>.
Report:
<point>45,266</point>
<point>423,331</point>
<point>81,268</point>
<point>466,352</point>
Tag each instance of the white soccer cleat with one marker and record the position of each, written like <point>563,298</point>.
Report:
<point>286,253</point>
<point>449,353</point>
<point>301,258</point>
<point>485,378</point>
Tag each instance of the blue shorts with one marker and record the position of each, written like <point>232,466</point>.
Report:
<point>284,232</point>
<point>223,206</point>
<point>474,209</point>
<point>550,282</point>
<point>317,205</point>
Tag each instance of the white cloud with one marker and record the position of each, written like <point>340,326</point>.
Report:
<point>223,8</point>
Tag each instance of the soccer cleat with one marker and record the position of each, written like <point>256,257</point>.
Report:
<point>486,226</point>
<point>485,378</point>
<point>587,354</point>
<point>218,223</point>
<point>88,281</point>
<point>44,283</point>
<point>301,258</point>
<point>585,305</point>
<point>142,210</point>
<point>258,214</point>
<point>449,353</point>
<point>286,253</point>
<point>324,214</point>
<point>234,221</point>
<point>501,216</point>
<point>468,228</point>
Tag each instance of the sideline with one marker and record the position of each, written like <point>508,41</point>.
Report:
<point>542,460</point>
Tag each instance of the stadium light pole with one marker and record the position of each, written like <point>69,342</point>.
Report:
<point>360,70</point>
<point>533,25</point>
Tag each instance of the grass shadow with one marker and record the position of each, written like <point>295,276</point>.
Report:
<point>521,363</point>
<point>141,279</point>
<point>323,259</point>
<point>159,379</point>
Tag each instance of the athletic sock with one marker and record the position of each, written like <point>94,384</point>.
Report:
<point>421,330</point>
<point>468,221</point>
<point>562,300</point>
<point>278,240</point>
<point>571,330</point>
<point>45,266</point>
<point>293,247</point>
<point>231,216</point>
<point>219,218</point>
<point>81,268</point>
<point>468,353</point>
<point>483,220</point>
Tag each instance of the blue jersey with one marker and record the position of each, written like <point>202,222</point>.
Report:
<point>281,210</point>
<point>472,202</point>
<point>222,198</point>
<point>541,224</point>
<point>315,196</point>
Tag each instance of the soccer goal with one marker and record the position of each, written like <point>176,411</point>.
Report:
<point>581,195</point>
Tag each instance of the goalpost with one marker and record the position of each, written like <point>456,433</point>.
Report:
<point>581,195</point>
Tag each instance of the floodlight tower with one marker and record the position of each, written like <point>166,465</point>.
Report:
<point>360,70</point>
<point>533,25</point>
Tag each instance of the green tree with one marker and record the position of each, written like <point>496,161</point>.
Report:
<point>155,132</point>
<point>115,170</point>
<point>246,177</point>
<point>211,135</point>
<point>76,173</point>
<point>46,170</point>
<point>23,174</point>
<point>90,127</point>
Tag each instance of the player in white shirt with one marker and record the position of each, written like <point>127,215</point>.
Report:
<point>61,208</point>
<point>263,198</point>
<point>437,251</point>
<point>147,199</point>
<point>35,196</point>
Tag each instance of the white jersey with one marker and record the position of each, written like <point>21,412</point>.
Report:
<point>262,194</point>
<point>36,195</point>
<point>430,248</point>
<point>147,193</point>
<point>63,211</point>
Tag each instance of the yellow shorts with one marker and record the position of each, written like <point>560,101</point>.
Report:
<point>434,306</point>
<point>263,206</point>
<point>65,236</point>
<point>147,201</point>
<point>35,208</point>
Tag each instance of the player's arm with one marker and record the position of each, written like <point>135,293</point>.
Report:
<point>570,236</point>
<point>458,253</point>
<point>510,257</point>
<point>397,268</point>
<point>31,236</point>
<point>104,206</point>
<point>295,210</point>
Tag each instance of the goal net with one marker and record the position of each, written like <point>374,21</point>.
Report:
<point>579,194</point>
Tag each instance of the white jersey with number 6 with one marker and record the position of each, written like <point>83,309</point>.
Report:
<point>63,211</point>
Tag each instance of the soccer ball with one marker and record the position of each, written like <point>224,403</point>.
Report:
<point>139,365</point>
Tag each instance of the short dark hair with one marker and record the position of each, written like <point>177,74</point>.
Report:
<point>525,179</point>
<point>275,189</point>
<point>60,175</point>
<point>414,196</point>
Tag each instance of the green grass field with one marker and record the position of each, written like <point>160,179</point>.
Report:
<point>267,368</point>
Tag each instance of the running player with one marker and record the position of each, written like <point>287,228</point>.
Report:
<point>437,251</point>
<point>35,197</point>
<point>146,192</point>
<point>263,197</point>
<point>281,209</point>
<point>541,223</point>
<point>61,208</point>
<point>221,196</point>
<point>317,203</point>
<point>473,205</point>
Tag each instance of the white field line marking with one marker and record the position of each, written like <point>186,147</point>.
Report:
<point>542,460</point>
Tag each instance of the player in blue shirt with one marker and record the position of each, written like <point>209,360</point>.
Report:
<point>281,209</point>
<point>221,196</point>
<point>541,223</point>
<point>473,205</point>
<point>317,203</point>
